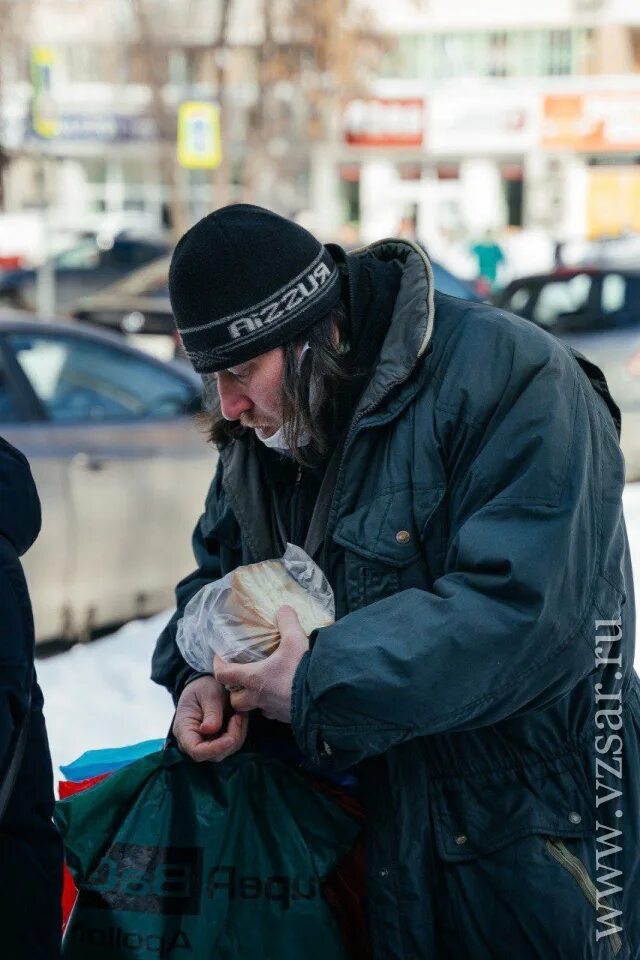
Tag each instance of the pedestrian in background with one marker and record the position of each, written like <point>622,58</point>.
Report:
<point>489,255</point>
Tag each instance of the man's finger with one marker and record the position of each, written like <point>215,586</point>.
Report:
<point>188,738</point>
<point>233,674</point>
<point>243,701</point>
<point>229,742</point>
<point>202,750</point>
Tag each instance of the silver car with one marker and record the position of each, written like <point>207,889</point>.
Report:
<point>121,467</point>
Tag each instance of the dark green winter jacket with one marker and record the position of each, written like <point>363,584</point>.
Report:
<point>477,551</point>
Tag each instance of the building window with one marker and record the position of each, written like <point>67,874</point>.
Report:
<point>506,53</point>
<point>559,62</point>
<point>498,59</point>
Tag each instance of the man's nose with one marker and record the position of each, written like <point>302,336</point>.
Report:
<point>233,401</point>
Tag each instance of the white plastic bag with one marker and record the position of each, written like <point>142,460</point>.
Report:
<point>235,617</point>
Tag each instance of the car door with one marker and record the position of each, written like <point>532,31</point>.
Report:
<point>47,564</point>
<point>615,348</point>
<point>134,461</point>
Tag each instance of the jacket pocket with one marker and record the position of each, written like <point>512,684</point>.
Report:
<point>384,544</point>
<point>472,819</point>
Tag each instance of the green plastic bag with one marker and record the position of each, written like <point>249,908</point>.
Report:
<point>200,861</point>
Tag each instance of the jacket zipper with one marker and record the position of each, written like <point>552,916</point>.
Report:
<point>578,871</point>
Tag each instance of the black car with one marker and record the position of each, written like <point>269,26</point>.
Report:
<point>596,310</point>
<point>576,299</point>
<point>86,267</point>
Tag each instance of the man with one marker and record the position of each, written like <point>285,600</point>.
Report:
<point>456,473</point>
<point>30,848</point>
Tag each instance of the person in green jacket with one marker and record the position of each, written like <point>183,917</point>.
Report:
<point>489,255</point>
<point>456,473</point>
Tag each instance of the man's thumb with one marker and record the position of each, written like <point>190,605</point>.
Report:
<point>286,618</point>
<point>291,631</point>
<point>212,711</point>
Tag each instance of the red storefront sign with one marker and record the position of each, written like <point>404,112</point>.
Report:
<point>385,122</point>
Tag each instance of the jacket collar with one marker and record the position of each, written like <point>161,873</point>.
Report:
<point>411,326</point>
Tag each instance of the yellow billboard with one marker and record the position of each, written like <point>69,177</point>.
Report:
<point>44,111</point>
<point>613,201</point>
<point>199,141</point>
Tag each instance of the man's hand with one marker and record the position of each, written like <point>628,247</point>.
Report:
<point>266,685</point>
<point>204,726</point>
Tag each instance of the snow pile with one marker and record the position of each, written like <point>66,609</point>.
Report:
<point>100,695</point>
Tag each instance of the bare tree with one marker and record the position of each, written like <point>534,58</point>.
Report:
<point>315,55</point>
<point>153,64</point>
<point>14,20</point>
<point>306,59</point>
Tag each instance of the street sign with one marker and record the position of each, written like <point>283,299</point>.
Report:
<point>199,141</point>
<point>44,111</point>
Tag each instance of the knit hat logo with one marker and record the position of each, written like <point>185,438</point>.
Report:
<point>289,301</point>
<point>243,281</point>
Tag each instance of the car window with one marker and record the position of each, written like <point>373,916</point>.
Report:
<point>518,301</point>
<point>83,256</point>
<point>8,411</point>
<point>78,379</point>
<point>620,299</point>
<point>613,292</point>
<point>562,296</point>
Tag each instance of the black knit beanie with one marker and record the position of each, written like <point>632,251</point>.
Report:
<point>243,281</point>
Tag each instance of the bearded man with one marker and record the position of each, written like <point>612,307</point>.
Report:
<point>456,473</point>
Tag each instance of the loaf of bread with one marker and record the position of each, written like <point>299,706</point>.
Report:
<point>235,616</point>
<point>258,590</point>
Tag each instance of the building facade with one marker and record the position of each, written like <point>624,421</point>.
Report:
<point>530,122</point>
<point>484,116</point>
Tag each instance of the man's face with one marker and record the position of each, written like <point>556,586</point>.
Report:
<point>252,392</point>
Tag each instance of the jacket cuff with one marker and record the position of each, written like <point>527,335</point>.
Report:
<point>305,719</point>
<point>190,677</point>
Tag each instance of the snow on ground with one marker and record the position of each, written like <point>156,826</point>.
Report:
<point>100,695</point>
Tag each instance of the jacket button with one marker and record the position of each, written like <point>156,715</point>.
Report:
<point>461,839</point>
<point>575,817</point>
<point>383,873</point>
<point>403,536</point>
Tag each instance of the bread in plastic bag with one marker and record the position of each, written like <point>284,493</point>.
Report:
<point>235,616</point>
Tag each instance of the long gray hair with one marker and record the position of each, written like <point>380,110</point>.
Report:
<point>326,365</point>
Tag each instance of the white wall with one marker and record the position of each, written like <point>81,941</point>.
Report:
<point>404,16</point>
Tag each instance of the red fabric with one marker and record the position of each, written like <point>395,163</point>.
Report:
<point>344,888</point>
<point>66,788</point>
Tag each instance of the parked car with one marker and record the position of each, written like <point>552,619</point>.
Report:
<point>449,283</point>
<point>90,264</point>
<point>121,468</point>
<point>138,307</point>
<point>597,311</point>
